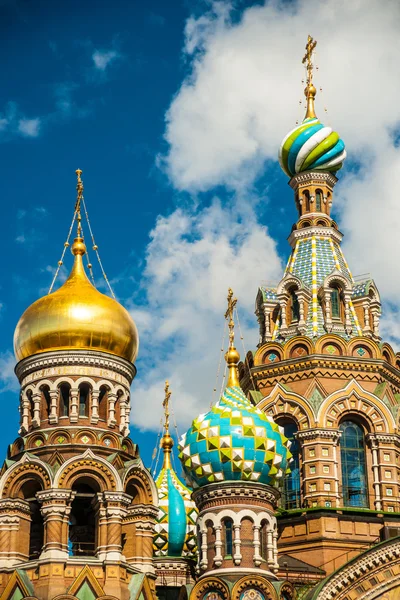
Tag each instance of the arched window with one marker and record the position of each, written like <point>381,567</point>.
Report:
<point>264,541</point>
<point>352,456</point>
<point>306,200</point>
<point>294,306</point>
<point>64,399</point>
<point>31,403</point>
<point>335,303</point>
<point>82,521</point>
<point>46,396</point>
<point>228,537</point>
<point>36,527</point>
<point>84,390</point>
<point>103,403</point>
<point>291,483</point>
<point>318,200</point>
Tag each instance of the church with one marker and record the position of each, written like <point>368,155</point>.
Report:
<point>289,484</point>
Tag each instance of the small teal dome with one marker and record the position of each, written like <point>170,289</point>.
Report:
<point>175,531</point>
<point>311,147</point>
<point>234,441</point>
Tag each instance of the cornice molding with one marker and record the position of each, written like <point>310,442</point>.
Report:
<point>87,358</point>
<point>314,230</point>
<point>310,176</point>
<point>237,491</point>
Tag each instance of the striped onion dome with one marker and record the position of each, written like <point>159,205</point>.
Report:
<point>311,147</point>
<point>175,530</point>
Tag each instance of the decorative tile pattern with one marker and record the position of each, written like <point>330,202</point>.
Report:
<point>176,524</point>
<point>234,441</point>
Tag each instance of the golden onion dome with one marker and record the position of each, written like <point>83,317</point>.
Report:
<point>76,316</point>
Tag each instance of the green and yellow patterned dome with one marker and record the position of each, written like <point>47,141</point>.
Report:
<point>234,441</point>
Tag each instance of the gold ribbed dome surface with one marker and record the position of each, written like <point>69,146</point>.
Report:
<point>76,316</point>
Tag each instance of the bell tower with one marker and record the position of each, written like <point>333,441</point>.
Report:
<point>77,505</point>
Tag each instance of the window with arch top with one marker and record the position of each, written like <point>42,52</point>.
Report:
<point>294,306</point>
<point>353,462</point>
<point>335,302</point>
<point>318,200</point>
<point>228,537</point>
<point>84,392</point>
<point>292,484</point>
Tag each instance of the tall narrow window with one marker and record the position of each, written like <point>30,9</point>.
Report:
<point>335,303</point>
<point>291,483</point>
<point>353,460</point>
<point>82,523</point>
<point>307,201</point>
<point>264,541</point>
<point>83,400</point>
<point>318,202</point>
<point>46,396</point>
<point>295,306</point>
<point>228,537</point>
<point>64,399</point>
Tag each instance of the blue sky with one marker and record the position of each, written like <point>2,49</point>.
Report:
<point>174,112</point>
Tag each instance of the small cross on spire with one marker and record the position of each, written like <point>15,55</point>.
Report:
<point>229,315</point>
<point>79,189</point>
<point>166,406</point>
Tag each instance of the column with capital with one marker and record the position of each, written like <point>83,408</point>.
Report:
<point>53,416</point>
<point>56,508</point>
<point>116,504</point>
<point>15,520</point>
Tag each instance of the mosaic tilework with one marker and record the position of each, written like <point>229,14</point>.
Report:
<point>312,260</point>
<point>234,441</point>
<point>175,531</point>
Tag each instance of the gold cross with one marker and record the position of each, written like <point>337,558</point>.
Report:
<point>79,189</point>
<point>166,406</point>
<point>229,315</point>
<point>307,58</point>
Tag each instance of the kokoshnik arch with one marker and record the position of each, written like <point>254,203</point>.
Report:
<point>292,477</point>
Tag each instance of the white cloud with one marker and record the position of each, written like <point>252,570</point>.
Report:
<point>13,123</point>
<point>8,379</point>
<point>223,128</point>
<point>29,127</point>
<point>192,259</point>
<point>103,58</point>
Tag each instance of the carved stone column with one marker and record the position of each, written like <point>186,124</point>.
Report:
<point>371,438</point>
<point>112,398</point>
<point>367,330</point>
<point>237,556</point>
<point>56,508</point>
<point>347,315</point>
<point>15,523</point>
<point>115,504</point>
<point>37,398</point>
<point>24,414</point>
<point>53,416</point>
<point>94,418</point>
<point>218,546</point>
<point>122,424</point>
<point>73,415</point>
<point>257,558</point>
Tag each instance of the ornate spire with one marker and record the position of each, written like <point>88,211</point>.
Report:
<point>310,90</point>
<point>167,442</point>
<point>232,356</point>
<point>78,247</point>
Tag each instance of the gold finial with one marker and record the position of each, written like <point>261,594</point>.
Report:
<point>166,442</point>
<point>78,247</point>
<point>232,356</point>
<point>310,91</point>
